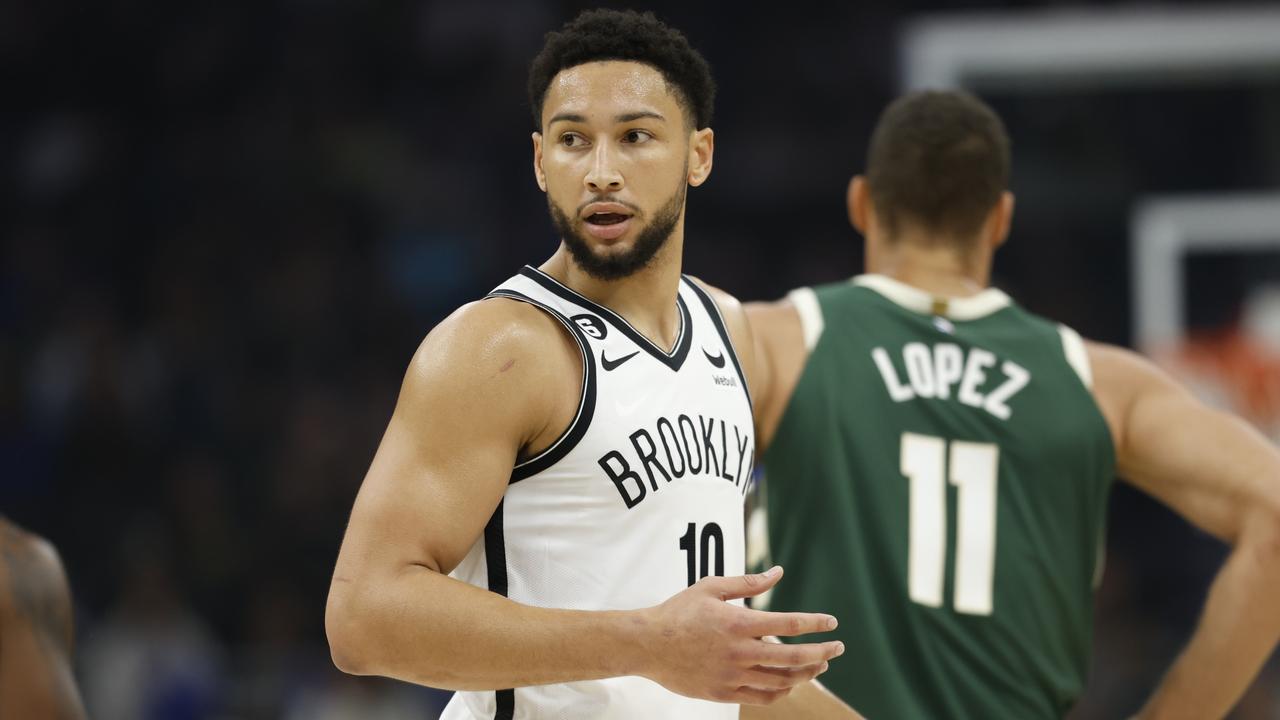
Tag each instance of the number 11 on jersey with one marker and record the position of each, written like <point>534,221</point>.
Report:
<point>972,468</point>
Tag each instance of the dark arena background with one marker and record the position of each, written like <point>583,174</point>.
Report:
<point>224,228</point>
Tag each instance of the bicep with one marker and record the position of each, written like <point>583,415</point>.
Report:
<point>466,408</point>
<point>781,353</point>
<point>428,493</point>
<point>1209,466</point>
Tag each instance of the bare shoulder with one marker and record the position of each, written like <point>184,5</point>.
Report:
<point>775,319</point>
<point>495,347</point>
<point>731,310</point>
<point>28,559</point>
<point>32,581</point>
<point>726,302</point>
<point>1113,358</point>
<point>1119,374</point>
<point>486,331</point>
<point>1123,377</point>
<point>495,368</point>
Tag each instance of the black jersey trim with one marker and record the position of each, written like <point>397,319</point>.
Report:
<point>586,403</point>
<point>506,705</point>
<point>495,552</point>
<point>673,359</point>
<point>495,558</point>
<point>717,319</point>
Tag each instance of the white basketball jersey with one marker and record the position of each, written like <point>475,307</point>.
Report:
<point>639,498</point>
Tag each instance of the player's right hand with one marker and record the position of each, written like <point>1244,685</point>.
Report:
<point>698,644</point>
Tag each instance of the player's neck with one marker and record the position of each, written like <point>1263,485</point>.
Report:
<point>936,269</point>
<point>646,299</point>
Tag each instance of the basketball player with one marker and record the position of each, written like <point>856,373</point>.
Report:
<point>938,459</point>
<point>35,630</point>
<point>552,524</point>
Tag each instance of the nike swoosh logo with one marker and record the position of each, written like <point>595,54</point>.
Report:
<point>717,359</point>
<point>613,364</point>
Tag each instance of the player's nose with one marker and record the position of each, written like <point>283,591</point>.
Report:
<point>603,176</point>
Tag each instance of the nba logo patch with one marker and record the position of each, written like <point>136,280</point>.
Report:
<point>944,325</point>
<point>591,325</point>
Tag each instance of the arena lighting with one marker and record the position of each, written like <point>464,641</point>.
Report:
<point>1053,49</point>
<point>1164,230</point>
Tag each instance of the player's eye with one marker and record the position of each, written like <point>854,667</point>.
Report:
<point>571,139</point>
<point>636,136</point>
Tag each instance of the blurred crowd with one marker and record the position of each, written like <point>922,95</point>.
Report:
<point>225,227</point>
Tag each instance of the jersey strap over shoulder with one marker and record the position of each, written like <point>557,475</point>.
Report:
<point>586,405</point>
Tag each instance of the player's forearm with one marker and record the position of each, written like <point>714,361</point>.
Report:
<point>430,629</point>
<point>810,700</point>
<point>1237,632</point>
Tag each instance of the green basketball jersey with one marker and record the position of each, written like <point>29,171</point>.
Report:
<point>939,483</point>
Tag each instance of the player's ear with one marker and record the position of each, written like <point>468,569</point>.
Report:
<point>1002,220</point>
<point>702,145</point>
<point>858,200</point>
<point>538,174</point>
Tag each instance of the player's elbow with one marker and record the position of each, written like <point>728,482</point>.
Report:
<point>344,653</point>
<point>342,628</point>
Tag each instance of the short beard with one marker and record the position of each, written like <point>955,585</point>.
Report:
<point>616,266</point>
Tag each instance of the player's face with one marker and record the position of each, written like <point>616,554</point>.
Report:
<point>615,159</point>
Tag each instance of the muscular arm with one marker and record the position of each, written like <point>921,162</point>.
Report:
<point>780,358</point>
<point>35,631</point>
<point>1223,477</point>
<point>492,380</point>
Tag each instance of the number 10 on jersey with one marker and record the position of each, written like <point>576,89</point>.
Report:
<point>928,463</point>
<point>709,547</point>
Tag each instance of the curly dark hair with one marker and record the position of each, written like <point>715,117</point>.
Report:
<point>939,158</point>
<point>597,35</point>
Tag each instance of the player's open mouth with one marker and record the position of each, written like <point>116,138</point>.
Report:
<point>607,218</point>
<point>607,221</point>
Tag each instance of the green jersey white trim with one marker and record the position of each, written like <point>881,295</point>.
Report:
<point>1073,346</point>
<point>811,322</point>
<point>912,298</point>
